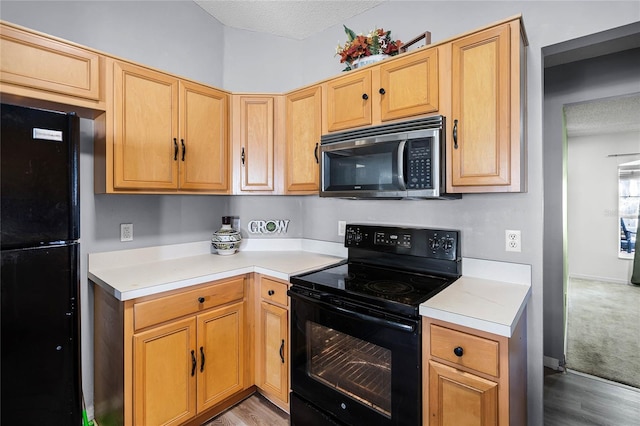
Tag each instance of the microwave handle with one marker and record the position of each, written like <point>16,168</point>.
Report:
<point>401,162</point>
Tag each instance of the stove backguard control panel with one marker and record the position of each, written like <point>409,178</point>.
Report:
<point>429,243</point>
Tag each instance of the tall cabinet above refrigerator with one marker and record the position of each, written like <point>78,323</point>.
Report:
<point>40,317</point>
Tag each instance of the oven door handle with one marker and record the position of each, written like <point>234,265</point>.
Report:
<point>380,321</point>
<point>376,320</point>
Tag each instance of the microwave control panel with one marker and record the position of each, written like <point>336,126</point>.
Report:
<point>419,165</point>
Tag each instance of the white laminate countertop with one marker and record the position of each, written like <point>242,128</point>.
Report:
<point>128,274</point>
<point>490,296</point>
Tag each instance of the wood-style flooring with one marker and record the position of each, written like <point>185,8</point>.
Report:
<point>253,411</point>
<point>570,399</point>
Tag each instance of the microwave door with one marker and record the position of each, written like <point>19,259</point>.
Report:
<point>363,169</point>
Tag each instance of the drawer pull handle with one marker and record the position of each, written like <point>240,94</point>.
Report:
<point>271,292</point>
<point>458,351</point>
<point>202,358</point>
<point>200,299</point>
<point>282,351</point>
<point>193,363</point>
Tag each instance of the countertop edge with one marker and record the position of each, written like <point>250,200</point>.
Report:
<point>463,315</point>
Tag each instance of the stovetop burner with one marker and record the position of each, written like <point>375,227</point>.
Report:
<point>389,287</point>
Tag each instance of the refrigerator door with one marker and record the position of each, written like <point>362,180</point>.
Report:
<point>40,370</point>
<point>38,177</point>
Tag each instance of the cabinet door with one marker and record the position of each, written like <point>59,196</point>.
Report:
<point>257,143</point>
<point>164,381</point>
<point>459,398</point>
<point>481,108</point>
<point>204,152</point>
<point>304,128</point>
<point>273,370</point>
<point>34,61</point>
<point>409,86</point>
<point>220,354</point>
<point>349,101</point>
<point>146,128</point>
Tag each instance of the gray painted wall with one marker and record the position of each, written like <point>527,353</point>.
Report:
<point>593,233</point>
<point>277,64</point>
<point>602,77</point>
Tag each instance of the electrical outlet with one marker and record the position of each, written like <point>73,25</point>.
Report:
<point>342,227</point>
<point>126,232</point>
<point>513,240</point>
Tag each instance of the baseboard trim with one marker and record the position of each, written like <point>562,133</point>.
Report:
<point>603,279</point>
<point>552,363</point>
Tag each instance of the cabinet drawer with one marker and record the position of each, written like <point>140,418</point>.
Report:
<point>167,308</point>
<point>274,291</point>
<point>478,353</point>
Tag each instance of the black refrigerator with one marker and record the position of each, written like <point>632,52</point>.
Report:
<point>40,317</point>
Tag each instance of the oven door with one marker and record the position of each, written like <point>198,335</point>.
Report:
<point>358,366</point>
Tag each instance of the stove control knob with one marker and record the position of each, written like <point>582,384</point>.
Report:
<point>447,244</point>
<point>434,244</point>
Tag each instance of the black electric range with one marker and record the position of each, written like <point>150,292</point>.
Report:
<point>389,268</point>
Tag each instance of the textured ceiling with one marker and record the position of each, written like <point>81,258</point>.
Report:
<point>611,115</point>
<point>292,19</point>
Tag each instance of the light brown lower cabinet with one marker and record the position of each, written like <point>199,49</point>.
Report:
<point>473,378</point>
<point>177,358</point>
<point>272,341</point>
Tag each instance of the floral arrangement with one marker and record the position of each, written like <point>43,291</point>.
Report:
<point>377,42</point>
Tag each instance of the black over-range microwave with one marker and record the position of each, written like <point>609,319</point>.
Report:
<point>398,160</point>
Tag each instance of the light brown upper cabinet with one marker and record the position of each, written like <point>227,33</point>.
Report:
<point>164,135</point>
<point>256,147</point>
<point>396,88</point>
<point>204,156</point>
<point>41,67</point>
<point>303,131</point>
<point>485,138</point>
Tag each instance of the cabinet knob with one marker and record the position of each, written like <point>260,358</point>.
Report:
<point>365,96</point>
<point>271,292</point>
<point>200,299</point>
<point>458,351</point>
<point>382,91</point>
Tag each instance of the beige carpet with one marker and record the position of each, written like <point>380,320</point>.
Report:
<point>603,330</point>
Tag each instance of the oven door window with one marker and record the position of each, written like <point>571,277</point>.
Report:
<point>375,166</point>
<point>354,367</point>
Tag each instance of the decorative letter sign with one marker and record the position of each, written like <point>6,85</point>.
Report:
<point>278,226</point>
